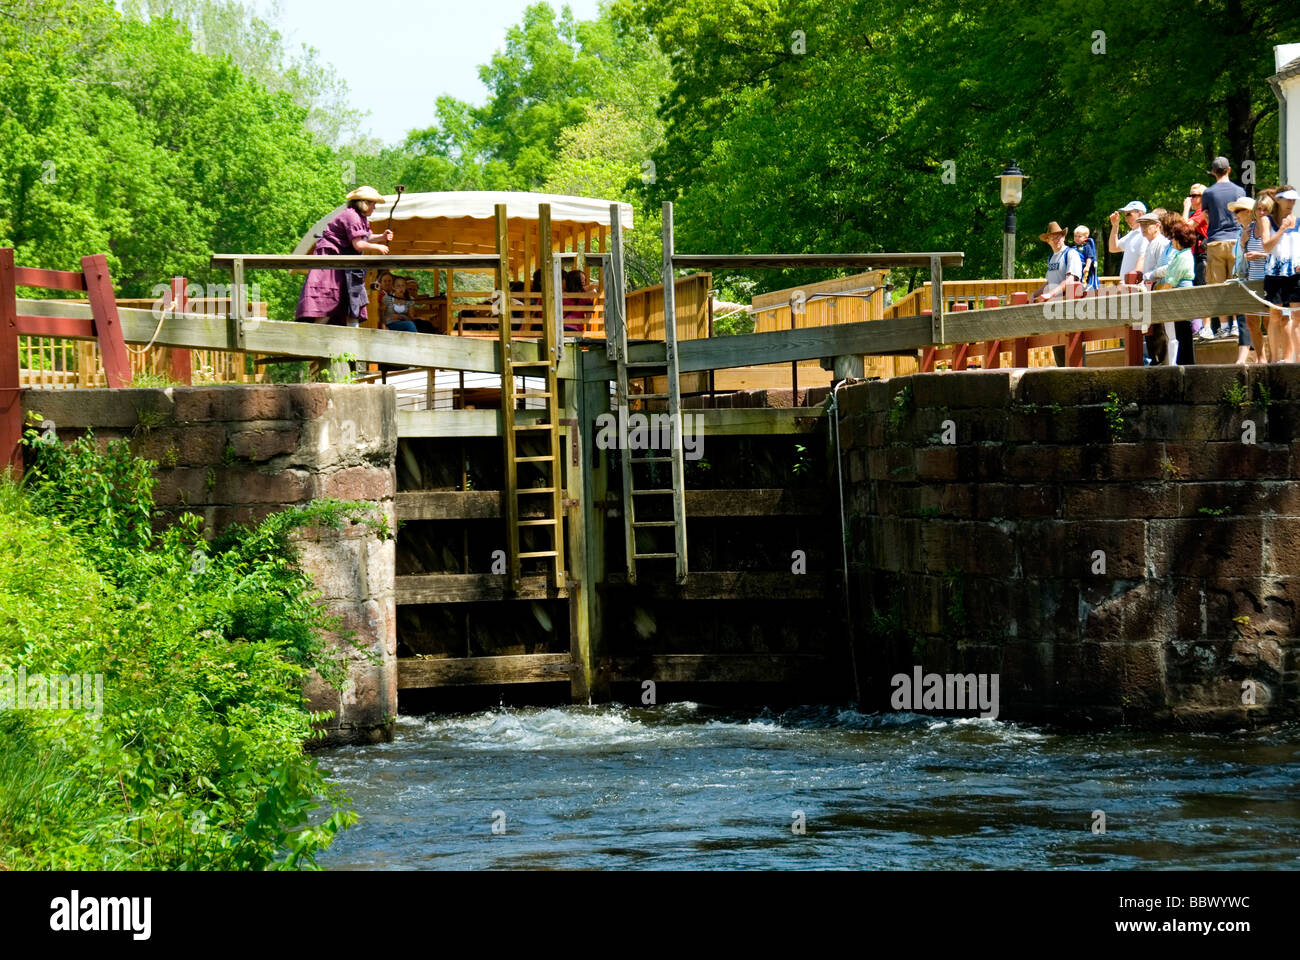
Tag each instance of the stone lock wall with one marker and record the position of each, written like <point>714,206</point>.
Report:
<point>1118,545</point>
<point>235,454</point>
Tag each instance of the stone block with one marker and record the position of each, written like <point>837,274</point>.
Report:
<point>101,410</point>
<point>1282,545</point>
<point>260,442</point>
<point>189,446</point>
<point>357,483</point>
<point>243,484</point>
<point>1120,500</point>
<point>972,388</point>
<point>1207,547</point>
<point>1227,460</point>
<point>1069,549</point>
<point>1035,463</point>
<point>1084,386</point>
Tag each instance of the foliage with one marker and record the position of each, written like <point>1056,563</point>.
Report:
<point>120,138</point>
<point>899,408</point>
<point>1114,410</point>
<point>844,146</point>
<point>1236,394</point>
<point>197,760</point>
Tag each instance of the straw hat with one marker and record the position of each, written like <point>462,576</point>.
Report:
<point>1242,203</point>
<point>1053,229</point>
<point>365,193</point>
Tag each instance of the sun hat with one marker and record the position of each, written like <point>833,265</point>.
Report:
<point>365,193</point>
<point>1149,218</point>
<point>1288,195</point>
<point>1137,205</point>
<point>1242,203</point>
<point>1053,229</point>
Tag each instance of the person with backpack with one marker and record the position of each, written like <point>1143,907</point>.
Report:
<point>1248,264</point>
<point>1063,266</point>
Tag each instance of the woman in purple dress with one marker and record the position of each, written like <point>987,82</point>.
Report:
<point>340,296</point>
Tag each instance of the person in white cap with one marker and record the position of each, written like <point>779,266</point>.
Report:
<point>1134,243</point>
<point>1281,282</point>
<point>340,296</point>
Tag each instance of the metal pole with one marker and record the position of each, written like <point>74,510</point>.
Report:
<point>1009,244</point>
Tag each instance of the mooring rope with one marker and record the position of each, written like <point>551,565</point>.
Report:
<point>834,409</point>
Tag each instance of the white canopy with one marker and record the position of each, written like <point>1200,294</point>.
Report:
<point>479,205</point>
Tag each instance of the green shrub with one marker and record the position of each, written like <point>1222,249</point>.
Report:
<point>198,759</point>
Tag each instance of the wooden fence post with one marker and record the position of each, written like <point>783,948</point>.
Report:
<point>11,407</point>
<point>180,364</point>
<point>108,328</point>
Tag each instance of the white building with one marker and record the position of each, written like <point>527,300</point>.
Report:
<point>1286,85</point>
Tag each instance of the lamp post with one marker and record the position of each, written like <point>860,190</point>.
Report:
<point>1012,179</point>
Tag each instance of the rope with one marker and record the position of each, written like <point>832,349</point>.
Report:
<point>834,409</point>
<point>156,330</point>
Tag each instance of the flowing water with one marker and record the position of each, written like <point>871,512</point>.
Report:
<point>686,787</point>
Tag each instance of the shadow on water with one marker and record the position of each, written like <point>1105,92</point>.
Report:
<point>684,786</point>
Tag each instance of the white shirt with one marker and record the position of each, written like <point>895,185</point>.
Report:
<point>1285,258</point>
<point>1134,245</point>
<point>1154,254</point>
<point>1062,264</point>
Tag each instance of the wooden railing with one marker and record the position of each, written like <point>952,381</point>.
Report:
<point>978,294</point>
<point>52,363</point>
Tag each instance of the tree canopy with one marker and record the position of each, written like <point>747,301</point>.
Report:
<point>178,128</point>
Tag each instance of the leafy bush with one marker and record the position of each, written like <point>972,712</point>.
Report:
<point>198,759</point>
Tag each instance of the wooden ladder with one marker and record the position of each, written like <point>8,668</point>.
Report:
<point>522,503</point>
<point>661,365</point>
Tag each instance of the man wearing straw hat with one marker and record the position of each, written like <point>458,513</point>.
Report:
<point>340,296</point>
<point>1063,267</point>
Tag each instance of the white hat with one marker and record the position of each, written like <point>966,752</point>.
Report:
<point>1288,195</point>
<point>1137,205</point>
<point>365,193</point>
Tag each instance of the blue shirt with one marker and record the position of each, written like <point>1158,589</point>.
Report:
<point>1214,201</point>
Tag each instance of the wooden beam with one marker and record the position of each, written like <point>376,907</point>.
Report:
<point>733,585</point>
<point>861,261</point>
<point>1032,319</point>
<point>468,588</point>
<point>11,407</point>
<point>108,325</point>
<point>415,673</point>
<point>720,668</point>
<point>447,505</point>
<point>902,335</point>
<point>771,502</point>
<point>580,639</point>
<point>456,423</point>
<point>49,279</point>
<point>760,420</point>
<point>276,261</point>
<point>593,400</point>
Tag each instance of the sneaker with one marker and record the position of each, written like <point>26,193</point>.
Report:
<point>1205,333</point>
<point>1228,331</point>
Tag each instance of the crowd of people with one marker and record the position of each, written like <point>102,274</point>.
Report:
<point>1221,233</point>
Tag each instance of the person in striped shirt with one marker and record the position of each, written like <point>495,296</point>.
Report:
<point>1248,264</point>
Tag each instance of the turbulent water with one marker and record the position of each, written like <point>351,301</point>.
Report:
<point>684,787</point>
